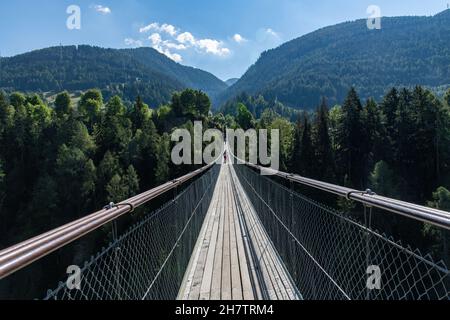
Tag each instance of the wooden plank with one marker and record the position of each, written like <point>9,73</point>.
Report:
<point>216,285</point>
<point>194,293</point>
<point>259,252</point>
<point>234,256</point>
<point>279,280</point>
<point>247,289</point>
<point>205,290</point>
<point>226,259</point>
<point>253,267</point>
<point>286,289</point>
<point>236,286</point>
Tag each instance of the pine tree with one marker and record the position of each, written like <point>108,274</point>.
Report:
<point>303,160</point>
<point>375,134</point>
<point>107,169</point>
<point>425,112</point>
<point>75,177</point>
<point>389,107</point>
<point>139,114</point>
<point>351,139</point>
<point>322,144</point>
<point>162,173</point>
<point>114,132</point>
<point>2,185</point>
<point>143,152</point>
<point>131,180</point>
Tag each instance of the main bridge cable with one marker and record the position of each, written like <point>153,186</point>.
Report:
<point>21,255</point>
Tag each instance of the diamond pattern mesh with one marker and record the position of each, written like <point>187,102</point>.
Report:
<point>328,253</point>
<point>149,261</point>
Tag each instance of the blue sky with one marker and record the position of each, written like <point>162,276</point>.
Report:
<point>223,37</point>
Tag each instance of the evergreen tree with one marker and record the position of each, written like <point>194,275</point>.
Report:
<point>123,187</point>
<point>107,169</point>
<point>75,178</point>
<point>286,135</point>
<point>90,107</point>
<point>17,99</point>
<point>143,153</point>
<point>335,119</point>
<point>114,131</point>
<point>139,114</point>
<point>351,140</point>
<point>383,180</point>
<point>6,116</point>
<point>375,134</point>
<point>2,185</point>
<point>322,144</point>
<point>423,114</point>
<point>162,173</point>
<point>304,160</point>
<point>63,104</point>
<point>244,117</point>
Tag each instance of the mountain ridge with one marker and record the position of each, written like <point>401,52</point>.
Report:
<point>126,72</point>
<point>407,51</point>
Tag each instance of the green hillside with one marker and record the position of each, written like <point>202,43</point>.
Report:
<point>407,51</point>
<point>128,73</point>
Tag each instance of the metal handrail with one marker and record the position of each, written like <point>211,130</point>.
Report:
<point>425,214</point>
<point>23,254</point>
<point>432,216</point>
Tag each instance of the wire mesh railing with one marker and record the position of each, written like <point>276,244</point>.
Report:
<point>332,256</point>
<point>148,262</point>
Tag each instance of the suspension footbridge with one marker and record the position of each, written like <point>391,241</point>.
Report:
<point>233,234</point>
<point>234,257</point>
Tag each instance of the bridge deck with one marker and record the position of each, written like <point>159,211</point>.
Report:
<point>234,258</point>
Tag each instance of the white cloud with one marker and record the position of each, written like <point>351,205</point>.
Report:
<point>133,43</point>
<point>164,46</point>
<point>272,33</point>
<point>174,56</point>
<point>152,26</point>
<point>186,37</point>
<point>166,38</point>
<point>155,38</point>
<point>238,38</point>
<point>102,9</point>
<point>167,28</point>
<point>176,46</point>
<point>213,46</point>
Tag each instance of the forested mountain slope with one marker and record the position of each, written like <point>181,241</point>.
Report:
<point>407,51</point>
<point>128,72</point>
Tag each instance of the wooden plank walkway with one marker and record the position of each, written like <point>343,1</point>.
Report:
<point>234,258</point>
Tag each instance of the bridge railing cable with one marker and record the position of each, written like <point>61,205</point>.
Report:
<point>432,216</point>
<point>332,255</point>
<point>134,265</point>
